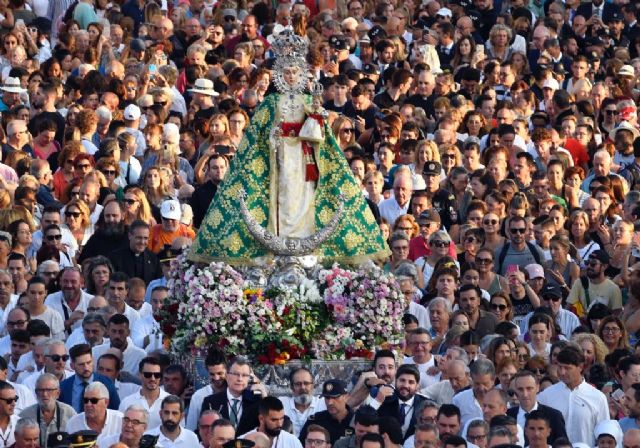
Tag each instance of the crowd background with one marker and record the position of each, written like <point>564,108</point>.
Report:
<point>496,142</point>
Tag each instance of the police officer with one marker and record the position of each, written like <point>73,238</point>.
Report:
<point>337,419</point>
<point>442,200</point>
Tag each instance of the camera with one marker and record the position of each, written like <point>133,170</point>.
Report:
<point>148,441</point>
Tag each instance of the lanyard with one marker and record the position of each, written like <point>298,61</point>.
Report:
<point>44,433</point>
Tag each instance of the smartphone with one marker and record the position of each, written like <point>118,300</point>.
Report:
<point>152,71</point>
<point>19,22</point>
<point>480,48</point>
<point>512,268</point>
<point>617,394</point>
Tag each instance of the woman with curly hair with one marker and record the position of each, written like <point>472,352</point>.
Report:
<point>613,333</point>
<point>407,224</point>
<point>593,348</point>
<point>21,232</point>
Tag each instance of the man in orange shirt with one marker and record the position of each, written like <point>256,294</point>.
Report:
<point>170,228</point>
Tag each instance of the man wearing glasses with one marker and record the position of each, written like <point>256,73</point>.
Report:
<point>134,424</point>
<point>317,437</point>
<point>150,395</point>
<point>55,360</point>
<point>302,403</point>
<point>551,297</point>
<point>51,414</point>
<point>96,417</point>
<point>239,402</point>
<point>597,288</point>
<point>8,419</point>
<point>517,251</point>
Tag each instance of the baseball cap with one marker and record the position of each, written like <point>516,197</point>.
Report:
<point>430,215</point>
<point>132,112</point>
<point>432,169</point>
<point>550,292</point>
<point>444,12</point>
<point>535,270</point>
<point>170,209</point>
<point>551,83</point>
<point>600,255</point>
<point>333,388</point>
<point>137,45</point>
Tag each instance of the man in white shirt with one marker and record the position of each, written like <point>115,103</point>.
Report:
<point>8,417</point>
<point>146,332</point>
<point>117,294</point>
<point>217,370</point>
<point>71,302</point>
<point>420,341</point>
<point>135,297</point>
<point>110,365</point>
<point>17,319</point>
<point>96,417</point>
<point>170,433</point>
<point>398,204</point>
<point>271,418</point>
<point>36,294</point>
<point>406,274</point>
<point>55,363</point>
<point>483,377</point>
<point>582,405</point>
<point>302,403</point>
<point>118,331</point>
<point>551,297</point>
<point>150,395</point>
<point>134,424</point>
<point>93,329</point>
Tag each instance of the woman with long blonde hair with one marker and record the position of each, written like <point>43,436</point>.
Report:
<point>154,187</point>
<point>137,206</point>
<point>344,131</point>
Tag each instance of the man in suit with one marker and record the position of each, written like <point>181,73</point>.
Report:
<point>72,389</point>
<point>402,404</point>
<point>136,260</point>
<point>527,388</point>
<point>239,402</point>
<point>598,8</point>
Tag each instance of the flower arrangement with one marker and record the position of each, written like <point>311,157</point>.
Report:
<point>338,314</point>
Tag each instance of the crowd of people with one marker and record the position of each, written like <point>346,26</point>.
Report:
<point>496,143</point>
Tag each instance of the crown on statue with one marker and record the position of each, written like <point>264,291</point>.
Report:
<point>316,89</point>
<point>289,45</point>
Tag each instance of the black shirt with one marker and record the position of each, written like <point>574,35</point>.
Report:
<point>445,203</point>
<point>53,116</point>
<point>336,428</point>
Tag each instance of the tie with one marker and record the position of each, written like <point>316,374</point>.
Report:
<point>403,413</point>
<point>84,386</point>
<point>233,416</point>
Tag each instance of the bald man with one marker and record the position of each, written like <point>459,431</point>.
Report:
<point>631,439</point>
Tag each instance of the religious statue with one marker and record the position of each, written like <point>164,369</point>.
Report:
<point>291,177</point>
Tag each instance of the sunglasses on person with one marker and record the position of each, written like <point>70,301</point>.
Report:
<point>54,237</point>
<point>10,400</point>
<point>484,260</point>
<point>611,112</point>
<point>490,222</point>
<point>152,375</point>
<point>130,201</point>
<point>109,172</point>
<point>498,306</point>
<point>58,358</point>
<point>74,214</point>
<point>470,239</point>
<point>538,371</point>
<point>552,298</point>
<point>439,244</point>
<point>517,230</point>
<point>92,400</point>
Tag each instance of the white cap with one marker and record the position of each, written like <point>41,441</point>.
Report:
<point>610,428</point>
<point>444,12</point>
<point>170,209</point>
<point>187,215</point>
<point>551,83</point>
<point>132,112</point>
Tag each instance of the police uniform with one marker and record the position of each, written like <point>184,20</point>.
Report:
<point>443,200</point>
<point>337,429</point>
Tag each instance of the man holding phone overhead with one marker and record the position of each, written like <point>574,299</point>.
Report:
<point>517,250</point>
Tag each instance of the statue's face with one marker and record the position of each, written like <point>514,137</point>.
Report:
<point>291,75</point>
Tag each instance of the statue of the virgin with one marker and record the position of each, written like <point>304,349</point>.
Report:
<point>293,178</point>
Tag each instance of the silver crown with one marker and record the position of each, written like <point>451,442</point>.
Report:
<point>289,45</point>
<point>316,88</point>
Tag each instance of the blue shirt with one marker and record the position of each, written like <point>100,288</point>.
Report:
<point>77,396</point>
<point>628,423</point>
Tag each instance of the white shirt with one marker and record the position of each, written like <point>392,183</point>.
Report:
<point>195,406</point>
<point>153,410</point>
<point>468,405</point>
<point>565,319</point>
<point>4,313</point>
<point>56,302</point>
<point>77,337</point>
<point>390,209</point>
<point>26,397</point>
<point>298,419</point>
<point>145,310</point>
<point>426,380</point>
<point>129,172</point>
<point>112,424</point>
<point>284,440</point>
<point>54,321</point>
<point>420,313</point>
<point>186,439</point>
<point>522,419</point>
<point>131,356</point>
<point>147,326</point>
<point>30,381</point>
<point>8,436</point>
<point>230,399</point>
<point>67,240</point>
<point>408,413</point>
<point>582,408</point>
<point>126,389</point>
<point>107,441</point>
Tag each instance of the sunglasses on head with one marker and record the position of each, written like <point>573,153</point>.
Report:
<point>152,374</point>
<point>92,400</point>
<point>58,358</point>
